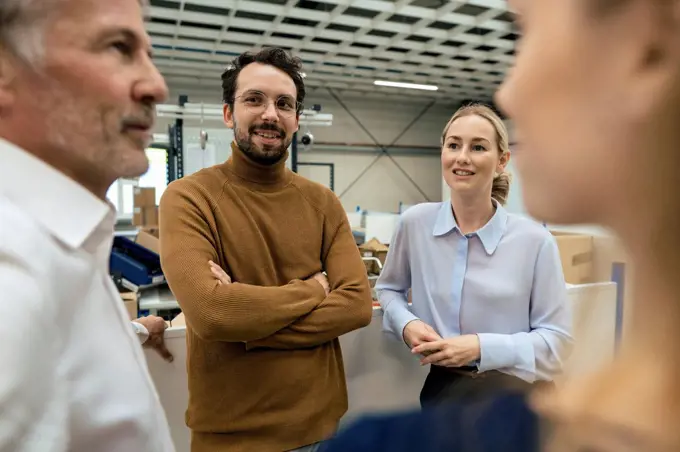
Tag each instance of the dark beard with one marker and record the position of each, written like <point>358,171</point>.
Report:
<point>267,156</point>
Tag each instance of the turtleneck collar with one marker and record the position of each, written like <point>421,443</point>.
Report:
<point>256,175</point>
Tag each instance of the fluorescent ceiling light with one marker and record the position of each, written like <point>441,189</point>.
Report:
<point>405,85</point>
<point>303,74</point>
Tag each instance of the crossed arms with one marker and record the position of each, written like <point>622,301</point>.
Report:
<point>295,315</point>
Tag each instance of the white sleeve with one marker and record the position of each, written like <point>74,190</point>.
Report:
<point>141,331</point>
<point>33,411</point>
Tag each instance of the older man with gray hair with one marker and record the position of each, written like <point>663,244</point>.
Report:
<point>78,92</point>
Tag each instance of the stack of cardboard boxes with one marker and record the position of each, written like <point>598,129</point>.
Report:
<point>145,214</point>
<point>145,217</point>
<point>130,300</point>
<point>373,249</point>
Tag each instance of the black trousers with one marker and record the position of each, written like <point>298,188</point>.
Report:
<point>464,385</point>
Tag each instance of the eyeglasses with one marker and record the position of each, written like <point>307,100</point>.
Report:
<point>257,103</point>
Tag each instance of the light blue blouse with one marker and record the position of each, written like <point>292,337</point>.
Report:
<point>504,283</point>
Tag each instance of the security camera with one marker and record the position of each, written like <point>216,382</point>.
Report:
<point>307,139</point>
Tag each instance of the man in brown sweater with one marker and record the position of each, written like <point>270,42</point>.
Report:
<point>264,361</point>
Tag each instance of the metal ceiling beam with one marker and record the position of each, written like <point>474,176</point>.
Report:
<point>383,149</point>
<point>197,59</point>
<point>325,17</point>
<point>192,43</point>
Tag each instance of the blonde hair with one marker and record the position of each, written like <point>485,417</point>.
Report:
<point>500,189</point>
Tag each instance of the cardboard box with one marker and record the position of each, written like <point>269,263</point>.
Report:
<point>145,216</point>
<point>144,197</point>
<point>609,261</point>
<point>374,248</point>
<point>576,254</point>
<point>130,301</point>
<point>148,238</point>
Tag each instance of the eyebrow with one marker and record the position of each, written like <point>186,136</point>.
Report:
<point>257,91</point>
<point>129,35</point>
<point>456,137</point>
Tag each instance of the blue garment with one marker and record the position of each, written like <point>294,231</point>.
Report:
<point>501,424</point>
<point>503,282</point>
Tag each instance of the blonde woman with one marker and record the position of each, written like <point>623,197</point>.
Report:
<point>489,307</point>
<point>596,94</point>
<point>599,111</point>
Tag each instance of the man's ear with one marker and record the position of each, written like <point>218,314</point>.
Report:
<point>228,115</point>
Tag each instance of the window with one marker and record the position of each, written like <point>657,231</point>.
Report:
<point>121,191</point>
<point>157,174</point>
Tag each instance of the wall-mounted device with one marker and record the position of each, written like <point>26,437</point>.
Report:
<point>203,139</point>
<point>307,139</point>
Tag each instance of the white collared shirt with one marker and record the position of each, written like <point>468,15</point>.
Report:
<point>73,376</point>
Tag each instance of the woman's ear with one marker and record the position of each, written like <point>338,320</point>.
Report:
<point>503,162</point>
<point>656,55</point>
<point>7,78</point>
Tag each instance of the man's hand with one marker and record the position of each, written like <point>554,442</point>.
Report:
<point>221,276</point>
<point>418,332</point>
<point>455,352</point>
<point>156,327</point>
<point>323,280</point>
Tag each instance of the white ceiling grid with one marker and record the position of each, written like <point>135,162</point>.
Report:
<point>463,47</point>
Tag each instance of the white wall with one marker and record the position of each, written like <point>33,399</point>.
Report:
<point>383,186</point>
<point>351,148</point>
<point>217,149</point>
<point>385,120</point>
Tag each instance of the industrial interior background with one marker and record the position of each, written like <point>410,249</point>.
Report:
<point>384,142</point>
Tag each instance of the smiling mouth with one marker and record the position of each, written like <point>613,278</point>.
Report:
<point>463,173</point>
<point>267,135</point>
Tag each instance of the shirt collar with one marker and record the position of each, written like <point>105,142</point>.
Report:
<point>62,206</point>
<point>490,234</point>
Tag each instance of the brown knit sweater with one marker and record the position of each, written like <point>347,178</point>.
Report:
<point>264,362</point>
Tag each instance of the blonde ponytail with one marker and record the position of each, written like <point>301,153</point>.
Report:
<point>500,189</point>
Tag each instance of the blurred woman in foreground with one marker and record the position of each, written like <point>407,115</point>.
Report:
<point>595,93</point>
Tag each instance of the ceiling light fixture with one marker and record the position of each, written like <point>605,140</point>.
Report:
<point>405,85</point>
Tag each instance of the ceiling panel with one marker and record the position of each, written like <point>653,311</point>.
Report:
<point>462,47</point>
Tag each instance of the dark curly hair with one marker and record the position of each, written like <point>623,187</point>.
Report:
<point>272,56</point>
